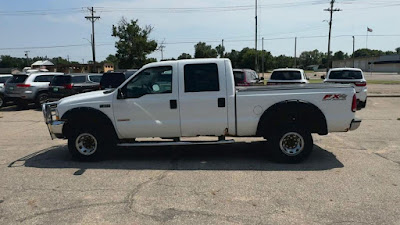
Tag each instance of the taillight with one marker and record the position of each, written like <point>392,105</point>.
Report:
<point>23,85</point>
<point>354,104</point>
<point>68,86</point>
<point>360,84</point>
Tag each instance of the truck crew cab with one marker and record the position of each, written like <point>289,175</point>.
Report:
<point>188,98</point>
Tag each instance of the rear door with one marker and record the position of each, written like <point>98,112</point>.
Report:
<point>12,88</point>
<point>202,99</point>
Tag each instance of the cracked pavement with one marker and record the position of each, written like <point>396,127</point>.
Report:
<point>351,178</point>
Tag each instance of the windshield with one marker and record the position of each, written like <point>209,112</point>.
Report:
<point>60,80</point>
<point>239,76</point>
<point>17,79</point>
<point>95,78</point>
<point>345,74</point>
<point>286,75</point>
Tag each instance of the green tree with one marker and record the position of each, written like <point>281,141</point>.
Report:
<point>220,50</point>
<point>308,58</point>
<point>7,61</point>
<point>234,57</point>
<point>202,50</point>
<point>133,45</point>
<point>185,56</point>
<point>398,50</point>
<point>58,61</point>
<point>339,55</point>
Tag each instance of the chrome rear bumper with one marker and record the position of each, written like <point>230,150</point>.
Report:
<point>355,124</point>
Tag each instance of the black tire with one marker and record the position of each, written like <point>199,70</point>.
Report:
<point>291,144</point>
<point>83,139</point>
<point>2,101</point>
<point>41,99</point>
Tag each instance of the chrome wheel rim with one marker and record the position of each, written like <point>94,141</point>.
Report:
<point>86,144</point>
<point>292,144</point>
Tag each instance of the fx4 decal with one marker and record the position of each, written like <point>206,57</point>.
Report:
<point>334,97</point>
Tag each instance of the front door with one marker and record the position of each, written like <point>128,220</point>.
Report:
<point>148,105</point>
<point>202,99</point>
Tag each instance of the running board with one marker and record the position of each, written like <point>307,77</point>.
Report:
<point>173,143</point>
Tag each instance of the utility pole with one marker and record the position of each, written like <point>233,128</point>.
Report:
<point>93,19</point>
<point>295,52</point>
<point>331,10</point>
<point>262,56</point>
<point>223,49</point>
<point>162,46</point>
<point>255,65</point>
<point>27,57</point>
<point>353,50</point>
<point>68,58</point>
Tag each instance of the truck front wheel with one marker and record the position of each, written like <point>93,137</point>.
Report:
<point>291,145</point>
<point>87,145</point>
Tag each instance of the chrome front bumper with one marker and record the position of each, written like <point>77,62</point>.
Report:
<point>55,127</point>
<point>355,124</point>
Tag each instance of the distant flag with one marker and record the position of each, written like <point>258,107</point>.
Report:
<point>369,29</point>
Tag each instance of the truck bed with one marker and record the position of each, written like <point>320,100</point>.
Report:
<point>290,87</point>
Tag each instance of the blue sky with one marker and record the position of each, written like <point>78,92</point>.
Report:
<point>63,23</point>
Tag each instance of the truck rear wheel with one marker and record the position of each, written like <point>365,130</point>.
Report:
<point>291,145</point>
<point>87,145</point>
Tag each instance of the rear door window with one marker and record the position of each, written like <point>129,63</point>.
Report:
<point>17,79</point>
<point>286,75</point>
<point>44,78</point>
<point>201,77</point>
<point>4,79</point>
<point>60,80</point>
<point>95,78</point>
<point>345,75</point>
<point>78,79</point>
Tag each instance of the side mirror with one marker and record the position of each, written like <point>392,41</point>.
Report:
<point>323,77</point>
<point>308,78</point>
<point>120,94</point>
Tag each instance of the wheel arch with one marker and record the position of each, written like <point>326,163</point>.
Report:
<point>297,112</point>
<point>87,116</point>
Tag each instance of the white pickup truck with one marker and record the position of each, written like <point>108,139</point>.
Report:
<point>189,98</point>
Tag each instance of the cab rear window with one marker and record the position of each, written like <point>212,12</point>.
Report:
<point>345,75</point>
<point>17,79</point>
<point>286,75</point>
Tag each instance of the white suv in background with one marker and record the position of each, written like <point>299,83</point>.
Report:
<point>29,88</point>
<point>352,76</point>
<point>287,76</point>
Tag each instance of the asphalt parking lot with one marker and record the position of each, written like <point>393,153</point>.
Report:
<point>351,178</point>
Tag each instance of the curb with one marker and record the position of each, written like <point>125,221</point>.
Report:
<point>384,96</point>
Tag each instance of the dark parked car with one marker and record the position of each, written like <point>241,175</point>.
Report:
<point>130,72</point>
<point>95,77</point>
<point>112,80</point>
<point>66,85</point>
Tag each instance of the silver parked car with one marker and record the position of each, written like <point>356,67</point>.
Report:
<point>3,79</point>
<point>30,88</point>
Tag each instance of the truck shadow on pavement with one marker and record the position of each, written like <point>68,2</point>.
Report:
<point>230,157</point>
